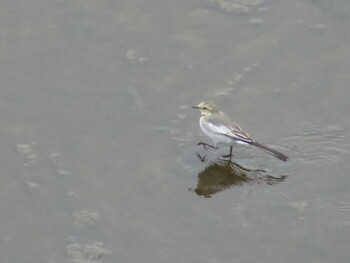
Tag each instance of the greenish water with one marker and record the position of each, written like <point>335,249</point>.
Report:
<point>99,151</point>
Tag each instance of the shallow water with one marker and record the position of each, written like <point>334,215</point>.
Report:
<point>99,152</point>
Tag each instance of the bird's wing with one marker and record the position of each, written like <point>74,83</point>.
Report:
<point>223,125</point>
<point>239,133</point>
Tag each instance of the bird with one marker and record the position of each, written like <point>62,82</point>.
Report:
<point>225,132</point>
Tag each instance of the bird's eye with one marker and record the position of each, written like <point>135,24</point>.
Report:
<point>205,108</point>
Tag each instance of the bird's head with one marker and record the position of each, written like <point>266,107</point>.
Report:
<point>206,108</point>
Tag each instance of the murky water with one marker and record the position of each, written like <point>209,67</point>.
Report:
<point>99,151</point>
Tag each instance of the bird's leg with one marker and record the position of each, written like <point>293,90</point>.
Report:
<point>228,155</point>
<point>205,145</point>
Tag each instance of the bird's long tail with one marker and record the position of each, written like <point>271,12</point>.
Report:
<point>273,152</point>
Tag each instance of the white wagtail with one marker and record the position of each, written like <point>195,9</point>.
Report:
<point>223,131</point>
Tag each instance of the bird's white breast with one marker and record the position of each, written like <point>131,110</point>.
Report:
<point>216,133</point>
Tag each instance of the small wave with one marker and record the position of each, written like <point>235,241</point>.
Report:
<point>329,143</point>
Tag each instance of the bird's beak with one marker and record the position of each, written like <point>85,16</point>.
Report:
<point>195,107</point>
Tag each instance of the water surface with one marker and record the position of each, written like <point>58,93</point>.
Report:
<point>99,150</point>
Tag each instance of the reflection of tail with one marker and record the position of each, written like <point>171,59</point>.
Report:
<point>278,155</point>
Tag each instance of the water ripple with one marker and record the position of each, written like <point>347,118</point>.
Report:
<point>328,143</point>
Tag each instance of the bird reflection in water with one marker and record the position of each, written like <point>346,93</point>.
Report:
<point>223,174</point>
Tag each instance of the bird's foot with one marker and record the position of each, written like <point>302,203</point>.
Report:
<point>228,155</point>
<point>227,158</point>
<point>202,158</point>
<point>206,146</point>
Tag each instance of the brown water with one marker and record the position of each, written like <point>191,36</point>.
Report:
<point>98,150</point>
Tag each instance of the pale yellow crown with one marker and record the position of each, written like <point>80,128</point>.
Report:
<point>206,108</point>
